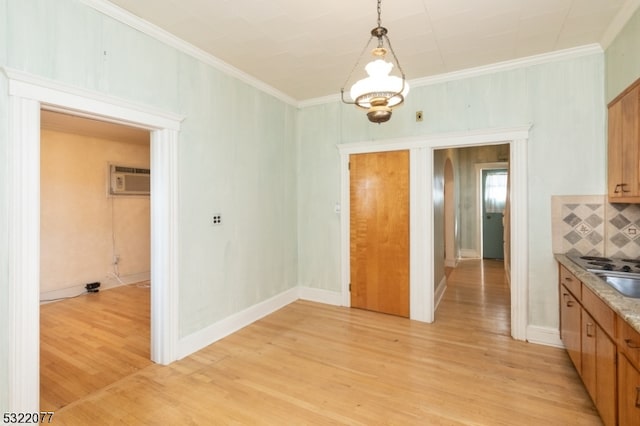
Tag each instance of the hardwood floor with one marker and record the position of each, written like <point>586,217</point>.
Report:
<point>92,341</point>
<point>310,363</point>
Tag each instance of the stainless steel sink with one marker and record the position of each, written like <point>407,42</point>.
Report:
<point>627,286</point>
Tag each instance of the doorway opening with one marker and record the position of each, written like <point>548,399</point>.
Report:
<point>493,188</point>
<point>27,96</point>
<point>424,226</point>
<point>90,339</point>
<point>479,176</point>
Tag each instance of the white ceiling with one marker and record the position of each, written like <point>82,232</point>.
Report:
<point>307,49</point>
<point>67,123</point>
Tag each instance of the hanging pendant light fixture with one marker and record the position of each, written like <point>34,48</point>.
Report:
<point>380,92</point>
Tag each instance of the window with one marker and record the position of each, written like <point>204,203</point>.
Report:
<point>495,192</point>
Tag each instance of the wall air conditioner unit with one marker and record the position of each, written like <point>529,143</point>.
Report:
<point>129,180</point>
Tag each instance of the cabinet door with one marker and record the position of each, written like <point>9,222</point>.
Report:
<point>631,140</point>
<point>628,393</point>
<point>614,153</point>
<point>588,346</point>
<point>605,377</point>
<point>599,368</point>
<point>570,326</point>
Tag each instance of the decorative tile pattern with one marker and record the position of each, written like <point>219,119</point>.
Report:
<point>583,227</point>
<point>623,230</point>
<point>588,225</point>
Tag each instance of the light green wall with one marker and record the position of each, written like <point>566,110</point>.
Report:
<point>623,58</point>
<point>4,272</point>
<point>562,100</point>
<point>237,153</point>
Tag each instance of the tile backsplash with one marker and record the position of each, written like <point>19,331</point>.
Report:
<point>589,225</point>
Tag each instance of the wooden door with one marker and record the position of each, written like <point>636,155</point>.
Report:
<point>379,226</point>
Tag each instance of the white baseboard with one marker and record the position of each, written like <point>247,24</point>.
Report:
<point>451,263</point>
<point>439,292</point>
<point>203,338</point>
<point>544,336</point>
<point>321,296</point>
<point>105,284</point>
<point>469,254</point>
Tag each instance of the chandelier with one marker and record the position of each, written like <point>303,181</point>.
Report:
<point>380,92</point>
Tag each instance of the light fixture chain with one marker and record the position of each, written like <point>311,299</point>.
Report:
<point>394,55</point>
<point>379,13</point>
<point>357,62</point>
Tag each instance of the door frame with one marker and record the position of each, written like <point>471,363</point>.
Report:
<point>450,252</point>
<point>28,94</point>
<point>480,202</point>
<point>421,285</point>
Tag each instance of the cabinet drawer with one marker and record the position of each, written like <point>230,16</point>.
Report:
<point>629,342</point>
<point>571,282</point>
<point>599,310</point>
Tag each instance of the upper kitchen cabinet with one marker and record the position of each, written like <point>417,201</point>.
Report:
<point>624,146</point>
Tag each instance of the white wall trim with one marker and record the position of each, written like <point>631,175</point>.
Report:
<point>519,196</point>
<point>133,21</point>
<point>328,297</point>
<point>451,263</point>
<point>27,95</point>
<point>421,267</point>
<point>558,55</point>
<point>544,336</point>
<point>23,172</point>
<point>422,291</point>
<point>106,284</point>
<point>345,233</point>
<point>467,253</point>
<point>223,328</point>
<point>441,289</point>
<point>111,10</point>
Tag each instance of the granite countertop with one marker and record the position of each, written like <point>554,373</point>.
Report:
<point>627,308</point>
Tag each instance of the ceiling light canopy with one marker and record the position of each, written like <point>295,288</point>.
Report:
<point>380,92</point>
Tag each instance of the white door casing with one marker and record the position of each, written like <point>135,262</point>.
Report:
<point>29,94</point>
<point>421,285</point>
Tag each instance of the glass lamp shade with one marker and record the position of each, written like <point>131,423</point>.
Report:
<point>378,85</point>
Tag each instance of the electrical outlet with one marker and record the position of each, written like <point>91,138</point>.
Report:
<point>418,115</point>
<point>216,220</point>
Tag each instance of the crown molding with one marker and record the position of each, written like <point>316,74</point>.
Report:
<point>109,9</point>
<point>558,55</point>
<point>618,23</point>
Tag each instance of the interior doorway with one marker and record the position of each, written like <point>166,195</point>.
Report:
<point>90,339</point>
<point>422,221</point>
<point>493,199</point>
<point>27,96</point>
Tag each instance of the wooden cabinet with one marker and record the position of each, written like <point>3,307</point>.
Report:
<point>624,146</point>
<point>599,367</point>
<point>628,375</point>
<point>587,329</point>
<point>570,327</point>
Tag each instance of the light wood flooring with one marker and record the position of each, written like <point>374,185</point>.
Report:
<point>92,341</point>
<point>316,364</point>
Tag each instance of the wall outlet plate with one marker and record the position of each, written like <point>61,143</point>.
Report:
<point>216,219</point>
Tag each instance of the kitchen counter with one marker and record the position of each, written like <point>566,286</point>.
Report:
<point>626,307</point>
